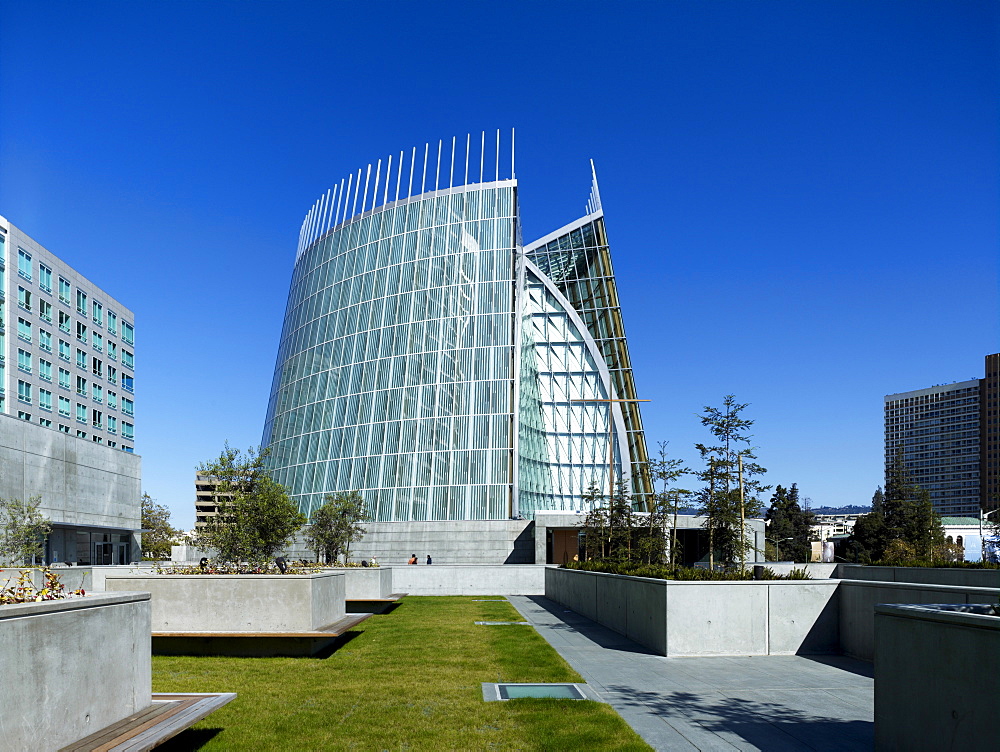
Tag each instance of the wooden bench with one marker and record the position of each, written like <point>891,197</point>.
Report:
<point>167,716</point>
<point>248,643</point>
<point>373,605</point>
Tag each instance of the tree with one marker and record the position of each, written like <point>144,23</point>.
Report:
<point>903,512</point>
<point>256,518</point>
<point>157,541</point>
<point>22,537</point>
<point>789,524</point>
<point>335,525</point>
<point>730,494</point>
<point>667,498</point>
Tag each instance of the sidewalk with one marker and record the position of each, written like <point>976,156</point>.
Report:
<point>766,702</point>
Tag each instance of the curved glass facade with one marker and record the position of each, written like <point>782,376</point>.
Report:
<point>428,363</point>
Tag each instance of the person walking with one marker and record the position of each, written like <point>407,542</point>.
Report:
<point>413,559</point>
<point>429,562</point>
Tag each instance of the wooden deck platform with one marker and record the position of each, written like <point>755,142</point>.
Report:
<point>167,716</point>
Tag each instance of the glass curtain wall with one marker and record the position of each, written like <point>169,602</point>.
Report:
<point>578,261</point>
<point>563,448</point>
<point>394,374</point>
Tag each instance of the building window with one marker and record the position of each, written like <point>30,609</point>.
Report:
<point>81,434</point>
<point>81,358</point>
<point>112,350</point>
<point>112,375</point>
<point>45,278</point>
<point>112,444</point>
<point>64,349</point>
<point>97,341</point>
<point>44,369</point>
<point>112,424</point>
<point>24,391</point>
<point>64,291</point>
<point>45,399</point>
<point>64,405</point>
<point>97,310</point>
<point>128,383</point>
<point>63,378</point>
<point>45,422</point>
<point>24,361</point>
<point>23,415</point>
<point>112,322</point>
<point>81,302</point>
<point>64,322</point>
<point>128,407</point>
<point>81,331</point>
<point>24,264</point>
<point>45,340</point>
<point>24,330</point>
<point>64,428</point>
<point>128,430</point>
<point>24,298</point>
<point>127,359</point>
<point>98,419</point>
<point>97,391</point>
<point>98,367</point>
<point>113,400</point>
<point>45,310</point>
<point>128,333</point>
<point>97,440</point>
<point>81,413</point>
<point>81,386</point>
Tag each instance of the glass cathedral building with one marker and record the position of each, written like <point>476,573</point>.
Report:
<point>434,362</point>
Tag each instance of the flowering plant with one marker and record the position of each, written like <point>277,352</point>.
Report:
<point>23,591</point>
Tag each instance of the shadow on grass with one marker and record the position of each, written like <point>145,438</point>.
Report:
<point>570,621</point>
<point>764,724</point>
<point>189,740</point>
<point>337,644</point>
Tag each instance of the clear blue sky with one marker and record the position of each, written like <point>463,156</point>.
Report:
<point>802,198</point>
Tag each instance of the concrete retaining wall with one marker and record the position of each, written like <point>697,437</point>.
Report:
<point>937,678</point>
<point>239,603</point>
<point>72,667</point>
<point>858,599</point>
<point>989,578</point>
<point>469,580</point>
<point>816,570</point>
<point>705,618</point>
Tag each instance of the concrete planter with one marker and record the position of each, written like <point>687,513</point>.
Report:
<point>705,618</point>
<point>72,667</point>
<point>238,603</point>
<point>937,676</point>
<point>860,598</point>
<point>366,583</point>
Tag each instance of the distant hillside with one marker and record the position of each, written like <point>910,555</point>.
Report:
<point>850,509</point>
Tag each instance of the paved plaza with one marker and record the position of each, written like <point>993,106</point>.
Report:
<point>772,703</point>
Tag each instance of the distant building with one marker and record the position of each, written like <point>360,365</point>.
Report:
<point>206,503</point>
<point>826,526</point>
<point>947,436</point>
<point>67,410</point>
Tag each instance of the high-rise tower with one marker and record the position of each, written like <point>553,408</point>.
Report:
<point>436,364</point>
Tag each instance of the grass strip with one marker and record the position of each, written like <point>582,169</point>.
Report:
<point>409,680</point>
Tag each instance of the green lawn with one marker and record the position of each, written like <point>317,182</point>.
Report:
<point>410,680</point>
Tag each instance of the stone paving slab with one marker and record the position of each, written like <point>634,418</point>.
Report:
<point>774,703</point>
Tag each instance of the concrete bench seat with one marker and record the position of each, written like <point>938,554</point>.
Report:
<point>167,716</point>
<point>294,643</point>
